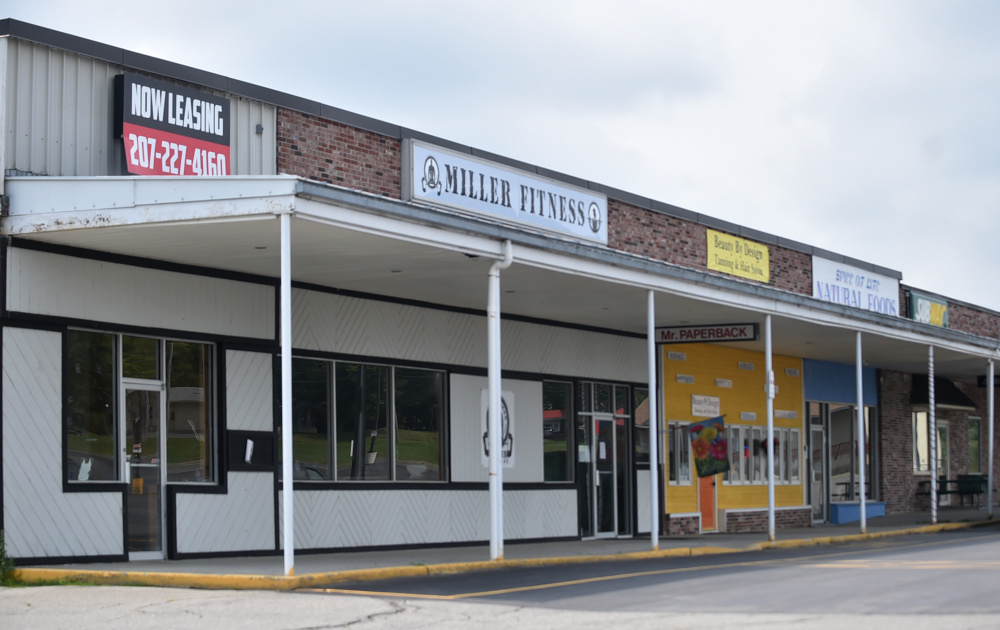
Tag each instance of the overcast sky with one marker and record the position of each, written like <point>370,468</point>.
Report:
<point>868,128</point>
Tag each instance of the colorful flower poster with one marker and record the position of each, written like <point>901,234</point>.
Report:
<point>708,444</point>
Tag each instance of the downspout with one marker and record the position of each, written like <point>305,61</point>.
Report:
<point>495,423</point>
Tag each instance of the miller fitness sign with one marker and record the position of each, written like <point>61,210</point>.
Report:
<point>170,129</point>
<point>462,182</point>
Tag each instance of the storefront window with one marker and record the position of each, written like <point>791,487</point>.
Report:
<point>310,411</point>
<point>99,366</point>
<point>556,414</point>
<point>679,453</point>
<point>419,404</point>
<point>190,444</point>
<point>641,425</point>
<point>387,422</point>
<point>748,455</point>
<point>921,442</point>
<point>91,391</point>
<point>975,437</point>
<point>140,358</point>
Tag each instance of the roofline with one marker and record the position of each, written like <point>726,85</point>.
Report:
<point>129,60</point>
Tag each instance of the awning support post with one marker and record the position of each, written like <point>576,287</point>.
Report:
<point>654,424</point>
<point>862,498</point>
<point>769,389</point>
<point>990,392</point>
<point>287,482</point>
<point>495,424</point>
<point>932,429</point>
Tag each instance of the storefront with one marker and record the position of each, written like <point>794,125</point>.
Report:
<point>834,479</point>
<point>164,331</point>
<point>714,381</point>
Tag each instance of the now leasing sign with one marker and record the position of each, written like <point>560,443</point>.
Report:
<point>171,129</point>
<point>701,334</point>
<point>459,181</point>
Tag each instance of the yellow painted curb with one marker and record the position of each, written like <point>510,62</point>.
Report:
<point>285,583</point>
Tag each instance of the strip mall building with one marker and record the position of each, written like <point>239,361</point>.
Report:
<point>195,267</point>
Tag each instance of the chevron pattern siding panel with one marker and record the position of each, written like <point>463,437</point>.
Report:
<point>65,286</point>
<point>358,518</point>
<point>39,519</point>
<point>249,394</point>
<point>240,520</point>
<point>350,325</point>
<point>335,323</point>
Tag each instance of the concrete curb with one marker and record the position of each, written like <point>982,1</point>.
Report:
<point>312,580</point>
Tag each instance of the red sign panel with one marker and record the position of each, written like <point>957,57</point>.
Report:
<point>169,129</point>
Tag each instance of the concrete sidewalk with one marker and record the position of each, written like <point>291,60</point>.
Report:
<point>266,572</point>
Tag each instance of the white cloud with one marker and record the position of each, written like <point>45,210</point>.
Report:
<point>865,128</point>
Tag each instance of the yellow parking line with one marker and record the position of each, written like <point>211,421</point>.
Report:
<point>623,576</point>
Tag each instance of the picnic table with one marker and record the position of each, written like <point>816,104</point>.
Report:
<point>971,486</point>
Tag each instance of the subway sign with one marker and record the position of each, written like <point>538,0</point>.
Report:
<point>169,129</point>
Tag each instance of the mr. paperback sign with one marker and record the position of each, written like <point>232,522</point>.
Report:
<point>169,129</point>
<point>441,177</point>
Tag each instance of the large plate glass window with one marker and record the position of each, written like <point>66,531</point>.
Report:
<point>92,440</point>
<point>98,365</point>
<point>363,422</point>
<point>556,436</point>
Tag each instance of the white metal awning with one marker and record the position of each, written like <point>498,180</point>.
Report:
<point>367,244</point>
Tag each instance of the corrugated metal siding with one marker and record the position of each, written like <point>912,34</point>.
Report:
<point>240,520</point>
<point>64,286</point>
<point>60,110</point>
<point>325,520</point>
<point>39,519</point>
<point>335,323</point>
<point>59,113</point>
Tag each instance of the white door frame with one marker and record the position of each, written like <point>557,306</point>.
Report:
<point>127,385</point>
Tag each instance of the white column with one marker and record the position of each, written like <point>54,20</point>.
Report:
<point>769,390</point>
<point>989,424</point>
<point>654,424</point>
<point>287,482</point>
<point>862,503</point>
<point>932,429</point>
<point>495,424</point>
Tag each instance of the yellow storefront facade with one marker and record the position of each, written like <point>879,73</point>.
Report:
<point>703,381</point>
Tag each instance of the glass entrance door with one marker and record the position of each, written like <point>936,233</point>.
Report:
<point>604,457</point>
<point>144,449</point>
<point>817,474</point>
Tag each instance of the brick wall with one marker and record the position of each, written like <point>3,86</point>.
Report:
<point>661,237</point>
<point>756,520</point>
<point>687,525</point>
<point>334,153</point>
<point>898,483</point>
<point>973,321</point>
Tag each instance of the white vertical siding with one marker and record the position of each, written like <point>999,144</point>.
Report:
<point>363,518</point>
<point>50,284</point>
<point>249,391</point>
<point>467,433</point>
<point>59,115</point>
<point>335,323</point>
<point>39,519</point>
<point>240,520</point>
